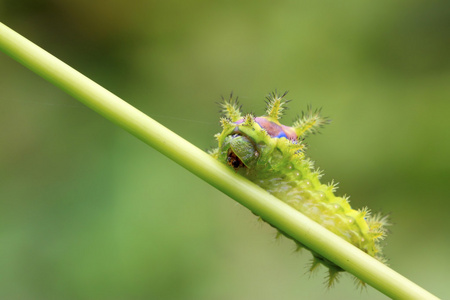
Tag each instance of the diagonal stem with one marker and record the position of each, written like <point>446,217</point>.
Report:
<point>204,166</point>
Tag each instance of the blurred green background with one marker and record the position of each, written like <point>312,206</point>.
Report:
<point>89,212</point>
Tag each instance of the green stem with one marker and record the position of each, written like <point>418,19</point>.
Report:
<point>204,166</point>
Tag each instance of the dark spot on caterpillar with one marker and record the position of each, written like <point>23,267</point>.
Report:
<point>233,160</point>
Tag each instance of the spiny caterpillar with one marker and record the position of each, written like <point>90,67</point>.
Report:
<point>272,155</point>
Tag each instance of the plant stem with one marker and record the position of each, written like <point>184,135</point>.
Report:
<point>204,166</point>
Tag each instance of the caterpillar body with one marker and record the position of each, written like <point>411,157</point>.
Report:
<point>272,155</point>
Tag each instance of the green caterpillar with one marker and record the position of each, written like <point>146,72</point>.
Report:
<point>272,155</point>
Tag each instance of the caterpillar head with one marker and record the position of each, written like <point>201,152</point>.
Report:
<point>248,142</point>
<point>240,143</point>
<point>240,151</point>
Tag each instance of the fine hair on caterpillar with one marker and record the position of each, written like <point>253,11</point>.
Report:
<point>272,155</point>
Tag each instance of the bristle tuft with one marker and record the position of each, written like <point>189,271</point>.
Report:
<point>276,105</point>
<point>310,122</point>
<point>333,277</point>
<point>231,108</point>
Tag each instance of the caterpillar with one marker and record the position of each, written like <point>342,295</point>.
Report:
<point>272,155</point>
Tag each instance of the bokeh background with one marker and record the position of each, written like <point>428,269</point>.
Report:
<point>89,212</point>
